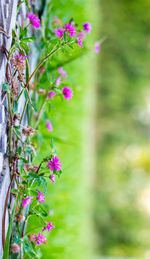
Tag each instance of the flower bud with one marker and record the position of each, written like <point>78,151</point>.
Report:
<point>15,248</point>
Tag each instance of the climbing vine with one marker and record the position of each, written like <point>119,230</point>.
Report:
<point>29,181</point>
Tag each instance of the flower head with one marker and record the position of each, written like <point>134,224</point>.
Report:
<point>97,47</point>
<point>34,20</point>
<point>42,91</point>
<point>59,32</point>
<point>87,27</point>
<point>67,93</point>
<point>62,72</point>
<point>28,131</point>
<point>26,201</point>
<point>32,237</point>
<point>51,94</point>
<point>33,168</point>
<point>39,239</point>
<point>20,218</point>
<point>40,197</point>
<point>52,178</point>
<point>49,126</point>
<point>54,164</point>
<point>70,29</point>
<point>19,61</point>
<point>15,248</point>
<point>56,21</point>
<point>80,38</point>
<point>49,227</point>
<point>58,81</point>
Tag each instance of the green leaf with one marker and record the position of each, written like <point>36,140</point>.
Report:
<point>19,150</point>
<point>15,107</point>
<point>14,191</point>
<point>28,39</point>
<point>23,32</point>
<point>28,248</point>
<point>27,96</point>
<point>25,47</point>
<point>5,87</point>
<point>41,210</point>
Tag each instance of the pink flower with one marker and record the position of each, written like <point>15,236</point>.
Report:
<point>26,201</point>
<point>80,38</point>
<point>34,20</point>
<point>15,248</point>
<point>62,72</point>
<point>51,94</point>
<point>87,27</point>
<point>19,61</point>
<point>52,178</point>
<point>97,47</point>
<point>49,126</point>
<point>20,218</point>
<point>20,57</point>
<point>49,227</point>
<point>56,21</point>
<point>58,81</point>
<point>71,29</point>
<point>32,237</point>
<point>39,239</point>
<point>54,164</point>
<point>40,197</point>
<point>67,93</point>
<point>59,32</point>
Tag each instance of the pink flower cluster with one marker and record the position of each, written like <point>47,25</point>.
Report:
<point>15,248</point>
<point>54,164</point>
<point>71,31</point>
<point>39,238</point>
<point>62,72</point>
<point>48,227</point>
<point>51,94</point>
<point>20,58</point>
<point>66,91</point>
<point>97,47</point>
<point>49,126</point>
<point>26,201</point>
<point>40,197</point>
<point>52,178</point>
<point>34,20</point>
<point>69,28</point>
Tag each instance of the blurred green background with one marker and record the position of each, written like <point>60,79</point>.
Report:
<point>122,198</point>
<point>103,210</point>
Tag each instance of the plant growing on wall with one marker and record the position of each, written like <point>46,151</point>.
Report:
<point>22,88</point>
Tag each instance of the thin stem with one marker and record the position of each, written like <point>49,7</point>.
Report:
<point>40,166</point>
<point>10,126</point>
<point>40,113</point>
<point>5,208</point>
<point>24,109</point>
<point>55,49</point>
<point>21,92</point>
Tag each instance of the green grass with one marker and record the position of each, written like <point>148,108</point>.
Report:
<point>70,199</point>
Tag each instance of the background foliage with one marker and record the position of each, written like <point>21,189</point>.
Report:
<point>123,128</point>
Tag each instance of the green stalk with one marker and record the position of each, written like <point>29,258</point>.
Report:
<point>10,126</point>
<point>9,232</point>
<point>55,49</point>
<point>21,92</point>
<point>40,113</point>
<point>24,109</point>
